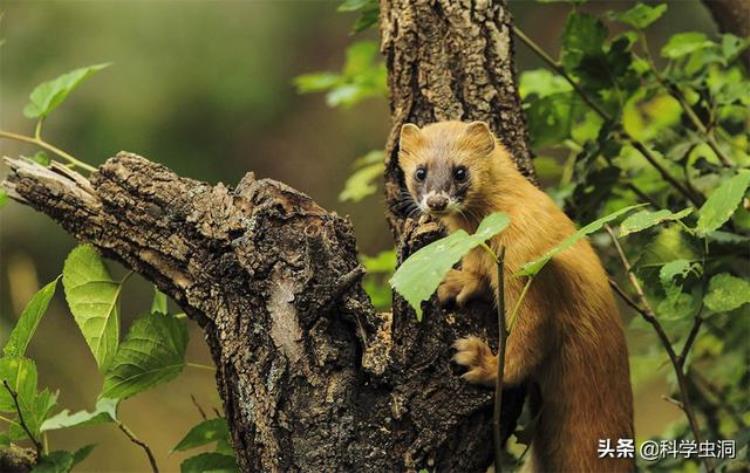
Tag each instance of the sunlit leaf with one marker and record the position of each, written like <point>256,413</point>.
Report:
<point>93,296</point>
<point>421,274</point>
<point>727,292</point>
<point>28,322</point>
<point>208,431</point>
<point>3,198</point>
<point>533,267</point>
<point>49,95</point>
<point>645,219</point>
<point>105,412</point>
<point>152,353</point>
<point>722,203</point>
<point>21,375</point>
<point>682,44</point>
<point>641,16</point>
<point>159,305</point>
<point>362,183</point>
<point>383,262</point>
<point>209,462</point>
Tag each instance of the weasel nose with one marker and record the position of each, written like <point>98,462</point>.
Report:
<point>437,202</point>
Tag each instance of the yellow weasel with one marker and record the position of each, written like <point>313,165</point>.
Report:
<point>568,338</point>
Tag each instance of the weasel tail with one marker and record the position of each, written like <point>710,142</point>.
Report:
<point>568,338</point>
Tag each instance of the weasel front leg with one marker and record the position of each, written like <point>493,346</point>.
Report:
<point>525,350</point>
<point>464,284</point>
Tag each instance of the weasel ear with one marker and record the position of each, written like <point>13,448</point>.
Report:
<point>409,135</point>
<point>480,137</point>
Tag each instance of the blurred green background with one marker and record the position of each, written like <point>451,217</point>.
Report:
<point>206,89</point>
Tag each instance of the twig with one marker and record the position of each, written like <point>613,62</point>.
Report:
<point>129,433</point>
<point>643,307</point>
<point>643,149</point>
<point>502,334</point>
<point>43,144</point>
<point>37,445</point>
<point>198,406</point>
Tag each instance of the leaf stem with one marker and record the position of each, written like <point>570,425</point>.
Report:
<point>37,446</point>
<point>129,433</point>
<point>51,148</point>
<point>514,312</point>
<point>200,366</point>
<point>642,148</point>
<point>502,334</point>
<point>643,307</point>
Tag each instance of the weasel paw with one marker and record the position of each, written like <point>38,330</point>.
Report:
<point>474,353</point>
<point>459,286</point>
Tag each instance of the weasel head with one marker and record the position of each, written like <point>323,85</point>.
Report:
<point>448,166</point>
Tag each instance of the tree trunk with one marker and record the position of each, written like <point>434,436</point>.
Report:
<point>732,16</point>
<point>311,377</point>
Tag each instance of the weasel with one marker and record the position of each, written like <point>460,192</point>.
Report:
<point>568,336</point>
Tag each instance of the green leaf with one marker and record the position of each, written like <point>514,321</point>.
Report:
<point>40,157</point>
<point>353,5</point>
<point>646,116</point>
<point>3,198</point>
<point>421,274</point>
<point>209,462</point>
<point>55,462</point>
<point>21,375</point>
<point>383,262</point>
<point>542,82</point>
<point>159,305</point>
<point>677,304</point>
<point>316,81</point>
<point>362,182</point>
<point>208,431</point>
<point>152,353</point>
<point>26,326</point>
<point>683,44</point>
<point>92,296</point>
<point>533,267</point>
<point>722,203</point>
<point>105,412</point>
<point>727,292</point>
<point>645,219</point>
<point>49,95</point>
<point>82,453</point>
<point>641,16</point>
<point>584,35</point>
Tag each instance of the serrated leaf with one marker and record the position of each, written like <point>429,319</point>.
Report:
<point>678,304</point>
<point>722,203</point>
<point>209,462</point>
<point>49,95</point>
<point>421,274</point>
<point>208,431</point>
<point>533,267</point>
<point>152,353</point>
<point>641,15</point>
<point>93,296</point>
<point>159,305</point>
<point>646,219</point>
<point>727,292</point>
<point>104,412</point>
<point>683,44</point>
<point>30,317</point>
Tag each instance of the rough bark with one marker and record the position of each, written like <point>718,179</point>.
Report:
<point>732,16</point>
<point>311,377</point>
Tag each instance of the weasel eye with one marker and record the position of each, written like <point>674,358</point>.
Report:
<point>459,174</point>
<point>421,174</point>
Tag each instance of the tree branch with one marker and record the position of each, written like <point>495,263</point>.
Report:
<point>37,445</point>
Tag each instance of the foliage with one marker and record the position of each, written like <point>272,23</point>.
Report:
<point>208,431</point>
<point>420,275</point>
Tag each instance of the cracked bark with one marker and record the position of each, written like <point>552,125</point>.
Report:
<point>311,377</point>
